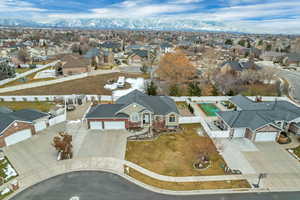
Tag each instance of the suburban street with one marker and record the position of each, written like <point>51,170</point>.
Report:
<point>106,186</point>
<point>294,80</point>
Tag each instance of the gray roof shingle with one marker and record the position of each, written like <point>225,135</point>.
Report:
<point>257,114</point>
<point>27,115</point>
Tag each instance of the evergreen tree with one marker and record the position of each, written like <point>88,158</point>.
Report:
<point>174,90</point>
<point>194,89</point>
<point>151,89</point>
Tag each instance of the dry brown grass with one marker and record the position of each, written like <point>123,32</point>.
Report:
<point>180,186</point>
<point>260,90</point>
<point>174,154</point>
<point>89,85</point>
<point>41,106</point>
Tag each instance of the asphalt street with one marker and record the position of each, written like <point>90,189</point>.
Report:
<point>294,80</point>
<point>107,186</point>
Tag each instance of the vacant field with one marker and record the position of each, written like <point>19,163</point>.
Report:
<point>41,106</point>
<point>205,185</point>
<point>174,154</point>
<point>28,79</point>
<point>89,85</point>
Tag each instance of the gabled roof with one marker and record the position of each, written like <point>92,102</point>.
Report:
<point>257,114</point>
<point>159,105</point>
<point>110,45</point>
<point>26,115</point>
<point>140,52</point>
<point>106,111</point>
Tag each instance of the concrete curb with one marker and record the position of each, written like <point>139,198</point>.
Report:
<point>114,166</point>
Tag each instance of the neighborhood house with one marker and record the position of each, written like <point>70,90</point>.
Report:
<point>259,121</point>
<point>135,110</point>
<point>16,126</point>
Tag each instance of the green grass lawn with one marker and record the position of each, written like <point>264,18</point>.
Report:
<point>209,109</point>
<point>41,106</point>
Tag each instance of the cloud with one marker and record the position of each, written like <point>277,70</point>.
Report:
<point>9,6</point>
<point>132,8</point>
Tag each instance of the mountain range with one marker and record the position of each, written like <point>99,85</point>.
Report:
<point>118,23</point>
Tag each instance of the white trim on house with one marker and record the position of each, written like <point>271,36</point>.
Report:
<point>1,133</point>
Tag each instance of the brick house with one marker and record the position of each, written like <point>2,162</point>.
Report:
<point>20,125</point>
<point>135,110</point>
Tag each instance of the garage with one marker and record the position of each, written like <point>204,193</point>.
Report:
<point>266,136</point>
<point>114,125</point>
<point>18,137</point>
<point>39,126</point>
<point>239,132</point>
<point>96,125</point>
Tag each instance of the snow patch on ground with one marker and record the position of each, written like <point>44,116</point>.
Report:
<point>136,84</point>
<point>5,191</point>
<point>9,172</point>
<point>74,121</point>
<point>50,73</point>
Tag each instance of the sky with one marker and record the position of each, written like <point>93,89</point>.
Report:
<point>257,16</point>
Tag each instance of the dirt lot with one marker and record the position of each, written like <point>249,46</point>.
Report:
<point>174,154</point>
<point>89,85</point>
<point>180,186</point>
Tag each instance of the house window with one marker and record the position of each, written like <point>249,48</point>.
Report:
<point>172,118</point>
<point>135,117</point>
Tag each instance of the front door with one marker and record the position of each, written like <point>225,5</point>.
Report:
<point>146,118</point>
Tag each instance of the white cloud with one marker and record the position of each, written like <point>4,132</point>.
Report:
<point>132,8</point>
<point>9,6</point>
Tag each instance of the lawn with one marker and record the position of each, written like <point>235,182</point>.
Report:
<point>180,186</point>
<point>41,106</point>
<point>22,70</point>
<point>28,79</point>
<point>209,109</point>
<point>88,85</point>
<point>5,193</point>
<point>174,154</point>
<point>296,151</point>
<point>7,172</point>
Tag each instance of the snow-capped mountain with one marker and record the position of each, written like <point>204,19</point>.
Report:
<point>118,23</point>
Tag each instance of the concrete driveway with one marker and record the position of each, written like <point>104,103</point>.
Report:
<point>38,153</point>
<point>104,144</point>
<point>282,169</point>
<point>34,153</point>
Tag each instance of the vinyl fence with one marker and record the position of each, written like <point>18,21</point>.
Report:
<point>58,119</point>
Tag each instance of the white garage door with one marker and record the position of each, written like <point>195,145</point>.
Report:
<point>239,132</point>
<point>39,126</point>
<point>18,137</point>
<point>265,136</point>
<point>109,125</point>
<point>96,125</point>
